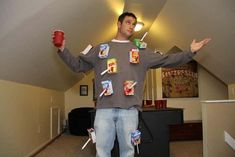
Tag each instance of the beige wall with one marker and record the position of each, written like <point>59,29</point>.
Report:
<point>25,117</point>
<point>231,91</point>
<point>73,98</point>
<point>217,118</point>
<point>209,88</point>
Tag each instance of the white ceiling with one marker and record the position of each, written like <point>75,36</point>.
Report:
<point>27,55</point>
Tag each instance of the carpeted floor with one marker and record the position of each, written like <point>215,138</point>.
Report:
<point>186,149</point>
<point>70,146</point>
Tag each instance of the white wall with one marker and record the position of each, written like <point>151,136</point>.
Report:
<point>218,116</point>
<point>25,117</point>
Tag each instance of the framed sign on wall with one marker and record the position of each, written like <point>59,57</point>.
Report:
<point>83,90</point>
<point>180,82</point>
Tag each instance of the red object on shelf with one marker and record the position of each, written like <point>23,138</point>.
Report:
<point>148,102</point>
<point>160,104</point>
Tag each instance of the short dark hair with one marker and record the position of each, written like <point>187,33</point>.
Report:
<point>123,15</point>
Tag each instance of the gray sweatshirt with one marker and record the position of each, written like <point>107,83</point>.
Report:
<point>125,70</point>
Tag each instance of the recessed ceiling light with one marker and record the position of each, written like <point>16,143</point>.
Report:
<point>138,26</point>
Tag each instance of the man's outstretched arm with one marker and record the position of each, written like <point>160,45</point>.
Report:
<point>155,60</point>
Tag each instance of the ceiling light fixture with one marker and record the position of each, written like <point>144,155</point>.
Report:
<point>138,26</point>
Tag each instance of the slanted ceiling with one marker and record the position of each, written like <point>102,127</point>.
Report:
<point>27,55</point>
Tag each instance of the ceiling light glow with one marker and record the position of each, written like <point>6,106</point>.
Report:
<point>138,26</point>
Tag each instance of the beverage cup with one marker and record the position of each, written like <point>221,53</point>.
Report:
<point>148,102</point>
<point>164,104</point>
<point>157,104</point>
<point>58,38</point>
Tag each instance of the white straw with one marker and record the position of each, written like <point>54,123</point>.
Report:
<point>101,94</point>
<point>144,36</point>
<point>132,85</point>
<point>86,143</point>
<point>105,71</point>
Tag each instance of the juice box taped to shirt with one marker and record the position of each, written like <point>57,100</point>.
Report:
<point>112,65</point>
<point>134,56</point>
<point>107,86</point>
<point>104,51</point>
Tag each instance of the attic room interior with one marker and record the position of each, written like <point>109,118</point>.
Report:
<point>38,90</point>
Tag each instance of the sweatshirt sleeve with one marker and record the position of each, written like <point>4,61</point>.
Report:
<point>81,63</point>
<point>156,60</point>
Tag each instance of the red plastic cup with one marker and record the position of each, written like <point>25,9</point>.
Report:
<point>148,102</point>
<point>58,38</point>
<point>157,104</point>
<point>160,104</point>
<point>164,103</point>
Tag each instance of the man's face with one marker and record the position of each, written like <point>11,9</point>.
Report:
<point>126,28</point>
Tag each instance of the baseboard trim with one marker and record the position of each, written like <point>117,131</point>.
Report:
<point>43,146</point>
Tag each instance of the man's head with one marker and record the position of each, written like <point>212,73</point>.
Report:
<point>123,15</point>
<point>126,24</point>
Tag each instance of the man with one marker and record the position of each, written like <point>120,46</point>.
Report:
<point>117,108</point>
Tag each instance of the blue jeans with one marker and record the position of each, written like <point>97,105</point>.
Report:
<point>112,122</point>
